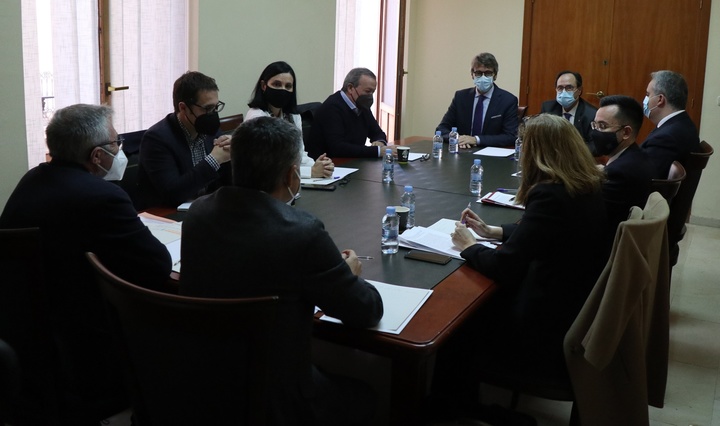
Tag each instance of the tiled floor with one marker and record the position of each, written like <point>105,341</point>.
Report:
<point>693,388</point>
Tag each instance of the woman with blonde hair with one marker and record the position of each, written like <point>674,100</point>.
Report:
<point>548,262</point>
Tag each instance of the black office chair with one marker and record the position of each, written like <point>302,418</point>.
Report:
<point>307,112</point>
<point>191,361</point>
<point>9,381</point>
<point>131,148</point>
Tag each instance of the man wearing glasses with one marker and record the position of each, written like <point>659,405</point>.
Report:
<point>569,104</point>
<point>180,156</point>
<point>77,210</point>
<point>485,115</point>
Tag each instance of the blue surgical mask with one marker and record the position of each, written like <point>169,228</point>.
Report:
<point>483,83</point>
<point>566,99</point>
<point>646,106</point>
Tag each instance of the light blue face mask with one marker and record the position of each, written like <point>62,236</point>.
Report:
<point>483,83</point>
<point>566,99</point>
<point>646,106</point>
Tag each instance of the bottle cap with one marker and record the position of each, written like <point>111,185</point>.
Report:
<point>454,129</point>
<point>390,209</point>
<point>438,132</point>
<point>477,161</point>
<point>388,151</point>
<point>408,188</point>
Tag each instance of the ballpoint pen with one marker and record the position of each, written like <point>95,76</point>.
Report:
<point>365,257</point>
<point>508,190</point>
<point>468,206</point>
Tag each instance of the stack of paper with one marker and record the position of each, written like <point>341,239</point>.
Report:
<point>338,173</point>
<point>400,305</point>
<point>501,199</point>
<point>167,232</point>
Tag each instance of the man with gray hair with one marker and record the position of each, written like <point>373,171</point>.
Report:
<point>79,211</point>
<point>344,123</point>
<point>675,135</point>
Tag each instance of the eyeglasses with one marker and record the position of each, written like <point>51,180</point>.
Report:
<point>119,141</point>
<point>569,88</point>
<point>212,108</point>
<point>483,73</point>
<point>601,125</point>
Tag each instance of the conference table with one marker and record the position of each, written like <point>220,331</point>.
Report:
<point>352,215</point>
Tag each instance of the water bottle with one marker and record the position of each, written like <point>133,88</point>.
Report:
<point>390,229</point>
<point>518,149</point>
<point>437,145</point>
<point>388,173</point>
<point>476,175</point>
<point>453,141</point>
<point>408,200</point>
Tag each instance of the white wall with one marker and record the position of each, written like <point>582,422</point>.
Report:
<point>239,38</point>
<point>13,146</point>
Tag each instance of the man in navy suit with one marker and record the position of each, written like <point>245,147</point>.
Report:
<point>180,159</point>
<point>628,170</point>
<point>675,135</point>
<point>569,104</point>
<point>485,115</point>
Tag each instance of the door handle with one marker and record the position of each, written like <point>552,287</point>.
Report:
<point>600,94</point>
<point>109,88</point>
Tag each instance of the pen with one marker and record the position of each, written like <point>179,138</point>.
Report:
<point>176,263</point>
<point>365,257</point>
<point>508,190</point>
<point>468,206</point>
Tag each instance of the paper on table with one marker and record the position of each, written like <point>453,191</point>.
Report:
<point>167,232</point>
<point>400,305</point>
<point>495,152</point>
<point>417,155</point>
<point>448,225</point>
<point>338,173</point>
<point>184,206</point>
<point>428,239</point>
<point>501,199</point>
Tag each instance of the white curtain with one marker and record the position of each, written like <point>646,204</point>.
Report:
<point>147,50</point>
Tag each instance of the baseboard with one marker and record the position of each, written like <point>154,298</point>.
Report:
<point>705,221</point>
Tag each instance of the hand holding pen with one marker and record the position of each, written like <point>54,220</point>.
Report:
<point>471,220</point>
<point>352,260</point>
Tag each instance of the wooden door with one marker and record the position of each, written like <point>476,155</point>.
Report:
<point>615,46</point>
<point>391,72</point>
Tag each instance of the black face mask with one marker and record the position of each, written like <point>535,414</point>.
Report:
<point>363,101</point>
<point>207,124</point>
<point>604,142</point>
<point>278,98</point>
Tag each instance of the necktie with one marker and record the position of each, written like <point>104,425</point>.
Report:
<point>477,120</point>
<point>567,115</point>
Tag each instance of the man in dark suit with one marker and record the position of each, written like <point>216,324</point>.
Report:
<point>569,104</point>
<point>675,135</point>
<point>485,115</point>
<point>271,248</point>
<point>180,159</point>
<point>344,123</point>
<point>628,170</point>
<point>78,211</point>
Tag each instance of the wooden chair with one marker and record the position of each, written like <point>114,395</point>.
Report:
<point>668,188</point>
<point>230,123</point>
<point>522,110</point>
<point>191,361</point>
<point>682,202</point>
<point>601,336</point>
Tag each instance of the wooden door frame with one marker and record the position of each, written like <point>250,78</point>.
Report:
<point>400,68</point>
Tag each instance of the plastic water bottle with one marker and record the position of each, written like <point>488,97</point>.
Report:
<point>408,200</point>
<point>518,149</point>
<point>437,145</point>
<point>453,141</point>
<point>388,173</point>
<point>390,230</point>
<point>476,176</point>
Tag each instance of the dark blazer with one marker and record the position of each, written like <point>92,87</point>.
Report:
<point>501,118</point>
<point>672,141</point>
<point>166,175</point>
<point>268,248</point>
<point>584,115</point>
<point>78,212</point>
<point>629,181</point>
<point>339,132</point>
<point>545,269</point>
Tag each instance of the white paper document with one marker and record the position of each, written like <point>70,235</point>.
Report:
<point>428,239</point>
<point>417,155</point>
<point>400,305</point>
<point>168,232</point>
<point>338,173</point>
<point>495,152</point>
<point>448,225</point>
<point>501,199</point>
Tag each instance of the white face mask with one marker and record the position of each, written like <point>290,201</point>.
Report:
<point>294,196</point>
<point>483,83</point>
<point>117,170</point>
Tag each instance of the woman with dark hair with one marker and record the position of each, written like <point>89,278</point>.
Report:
<point>275,95</point>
